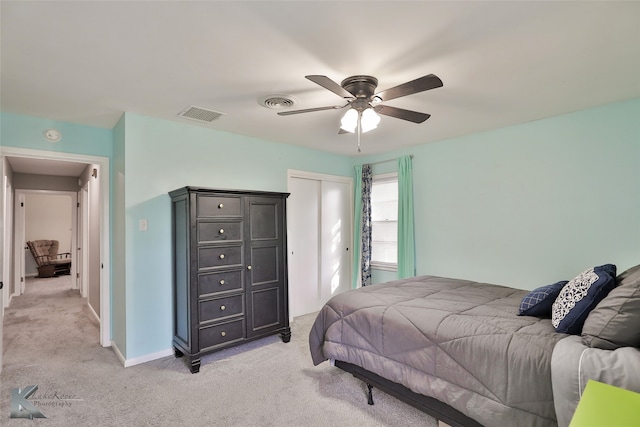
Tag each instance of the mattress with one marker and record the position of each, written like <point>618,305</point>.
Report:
<point>458,341</point>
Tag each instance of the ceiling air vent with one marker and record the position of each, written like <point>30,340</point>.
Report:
<point>277,102</point>
<point>200,114</point>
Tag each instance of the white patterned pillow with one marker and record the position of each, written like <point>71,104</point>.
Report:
<point>578,297</point>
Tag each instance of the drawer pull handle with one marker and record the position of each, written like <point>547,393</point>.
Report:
<point>221,256</point>
<point>222,282</point>
<point>223,333</point>
<point>248,267</point>
<point>220,206</point>
<point>223,308</point>
<point>221,231</point>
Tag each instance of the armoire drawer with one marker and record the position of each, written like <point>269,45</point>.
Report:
<point>219,256</point>
<point>219,231</point>
<point>209,206</point>
<point>213,283</point>
<point>218,308</point>
<point>215,335</point>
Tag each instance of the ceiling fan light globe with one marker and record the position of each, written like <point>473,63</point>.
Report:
<point>349,121</point>
<point>369,120</point>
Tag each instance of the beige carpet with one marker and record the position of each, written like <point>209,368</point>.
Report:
<point>50,340</point>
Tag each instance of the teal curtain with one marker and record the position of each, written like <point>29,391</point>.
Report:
<point>357,227</point>
<point>406,235</point>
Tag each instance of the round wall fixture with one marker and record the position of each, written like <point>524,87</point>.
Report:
<point>277,101</point>
<point>53,135</point>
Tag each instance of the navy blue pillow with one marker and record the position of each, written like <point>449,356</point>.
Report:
<point>578,297</point>
<point>538,302</point>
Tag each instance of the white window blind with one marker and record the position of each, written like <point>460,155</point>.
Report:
<point>384,222</point>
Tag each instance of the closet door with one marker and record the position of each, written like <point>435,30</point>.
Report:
<point>336,240</point>
<point>319,240</point>
<point>304,245</point>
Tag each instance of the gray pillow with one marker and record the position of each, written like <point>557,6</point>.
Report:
<point>615,321</point>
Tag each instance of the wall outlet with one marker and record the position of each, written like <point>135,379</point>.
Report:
<point>143,224</point>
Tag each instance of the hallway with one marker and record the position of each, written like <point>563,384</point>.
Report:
<point>45,322</point>
<point>48,333</point>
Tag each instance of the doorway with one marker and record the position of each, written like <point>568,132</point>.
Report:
<point>319,220</point>
<point>99,211</point>
<point>45,215</point>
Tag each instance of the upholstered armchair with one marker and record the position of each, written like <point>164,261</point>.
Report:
<point>50,262</point>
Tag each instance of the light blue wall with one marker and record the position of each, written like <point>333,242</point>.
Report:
<point>522,206</point>
<point>118,243</point>
<point>530,204</point>
<point>28,132</point>
<point>162,156</point>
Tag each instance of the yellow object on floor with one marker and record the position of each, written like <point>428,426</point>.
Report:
<point>603,405</point>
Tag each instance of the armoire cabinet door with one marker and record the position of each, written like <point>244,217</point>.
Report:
<point>266,236</point>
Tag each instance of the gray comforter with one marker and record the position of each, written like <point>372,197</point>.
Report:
<point>458,341</point>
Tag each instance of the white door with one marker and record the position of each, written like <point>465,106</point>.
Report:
<point>20,251</point>
<point>336,239</point>
<point>3,204</point>
<point>83,241</point>
<point>319,230</point>
<point>303,213</point>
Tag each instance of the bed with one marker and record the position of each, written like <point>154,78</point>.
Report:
<point>458,349</point>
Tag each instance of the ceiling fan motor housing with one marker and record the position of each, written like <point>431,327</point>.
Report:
<point>360,86</point>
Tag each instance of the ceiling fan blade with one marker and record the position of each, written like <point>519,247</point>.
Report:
<point>342,131</point>
<point>401,113</point>
<point>421,84</point>
<point>310,110</point>
<point>329,84</point>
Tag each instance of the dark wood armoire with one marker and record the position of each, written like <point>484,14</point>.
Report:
<point>229,269</point>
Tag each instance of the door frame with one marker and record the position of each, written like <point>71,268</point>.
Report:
<point>20,233</point>
<point>83,239</point>
<point>105,240</point>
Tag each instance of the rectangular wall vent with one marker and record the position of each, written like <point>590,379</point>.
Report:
<point>200,114</point>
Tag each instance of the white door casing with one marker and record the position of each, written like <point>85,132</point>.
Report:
<point>2,250</point>
<point>83,248</point>
<point>21,241</point>
<point>104,246</point>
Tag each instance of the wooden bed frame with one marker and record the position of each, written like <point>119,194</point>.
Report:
<point>428,405</point>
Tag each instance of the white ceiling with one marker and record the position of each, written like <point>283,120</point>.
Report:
<point>32,166</point>
<point>502,63</point>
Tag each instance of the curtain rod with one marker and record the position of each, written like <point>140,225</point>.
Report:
<point>389,160</point>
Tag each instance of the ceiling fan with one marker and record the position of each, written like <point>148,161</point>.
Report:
<point>364,103</point>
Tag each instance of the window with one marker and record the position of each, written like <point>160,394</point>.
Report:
<point>384,222</point>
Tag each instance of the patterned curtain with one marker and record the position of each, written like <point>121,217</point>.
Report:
<point>357,221</point>
<point>365,266</point>
<point>406,236</point>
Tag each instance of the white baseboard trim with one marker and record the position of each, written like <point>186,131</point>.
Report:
<point>143,359</point>
<point>93,312</point>
<point>119,355</point>
<point>148,357</point>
